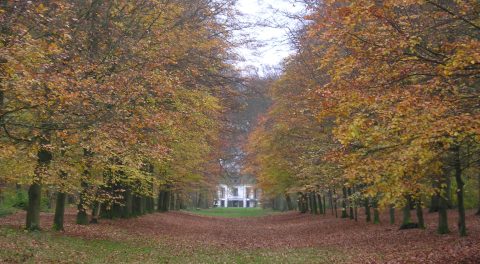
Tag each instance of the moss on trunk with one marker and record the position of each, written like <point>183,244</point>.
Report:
<point>376,216</point>
<point>392,214</point>
<point>288,199</point>
<point>344,203</point>
<point>95,213</point>
<point>442,216</point>
<point>137,205</point>
<point>313,198</point>
<point>462,228</point>
<point>61,199</point>
<point>350,205</point>
<point>419,209</point>
<point>35,190</point>
<point>321,207</point>
<point>33,208</point>
<point>166,202</point>
<point>407,218</point>
<point>367,210</point>
<point>478,189</point>
<point>128,204</point>
<point>82,217</point>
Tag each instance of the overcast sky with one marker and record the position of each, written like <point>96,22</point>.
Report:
<point>274,38</point>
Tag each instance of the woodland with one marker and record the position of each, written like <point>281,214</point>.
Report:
<point>379,109</point>
<point>117,119</point>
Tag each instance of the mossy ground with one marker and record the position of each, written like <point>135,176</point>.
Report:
<point>234,212</point>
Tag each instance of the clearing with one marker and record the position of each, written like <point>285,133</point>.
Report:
<point>234,212</point>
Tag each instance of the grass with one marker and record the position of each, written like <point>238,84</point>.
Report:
<point>12,200</point>
<point>49,247</point>
<point>234,212</point>
<point>7,210</point>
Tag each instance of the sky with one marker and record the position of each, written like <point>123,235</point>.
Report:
<point>273,38</point>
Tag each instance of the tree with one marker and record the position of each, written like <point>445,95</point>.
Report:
<point>392,86</point>
<point>98,90</point>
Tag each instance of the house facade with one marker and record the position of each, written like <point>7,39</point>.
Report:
<point>237,195</point>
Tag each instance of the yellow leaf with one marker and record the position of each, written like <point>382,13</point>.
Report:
<point>41,8</point>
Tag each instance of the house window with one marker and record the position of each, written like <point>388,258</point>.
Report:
<point>222,192</point>
<point>235,192</point>
<point>249,192</point>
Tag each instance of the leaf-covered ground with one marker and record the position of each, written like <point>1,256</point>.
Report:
<point>180,237</point>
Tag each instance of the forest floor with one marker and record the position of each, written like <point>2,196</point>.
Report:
<point>183,237</point>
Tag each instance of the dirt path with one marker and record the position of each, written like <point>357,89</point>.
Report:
<point>366,242</point>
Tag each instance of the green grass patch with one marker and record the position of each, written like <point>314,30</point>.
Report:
<point>234,212</point>
<point>12,200</point>
<point>18,246</point>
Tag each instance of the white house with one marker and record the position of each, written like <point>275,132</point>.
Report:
<point>238,195</point>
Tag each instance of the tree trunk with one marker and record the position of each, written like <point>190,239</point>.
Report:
<point>161,196</point>
<point>137,205</point>
<point>330,196</point>
<point>177,202</point>
<point>324,205</point>
<point>335,204</point>
<point>344,203</point>
<point>51,198</point>
<point>308,203</point>
<point>147,204</point>
<point>117,210</point>
<point>180,202</point>
<point>44,157</point>
<point>421,222</point>
<point>141,200</point>
<point>356,213</point>
<point>376,216</point>
<point>448,193</point>
<point>442,215</point>
<point>143,205</point>
<point>313,197</point>
<point>33,209</point>
<point>367,210</point>
<point>376,213</point>
<point>321,208</point>
<point>198,202</point>
<point>460,192</point>
<point>289,202</point>
<point>166,201</point>
<point>434,204</point>
<point>95,212</point>
<point>172,201</point>
<point>151,208</point>
<point>127,209</point>
<point>478,189</point>
<point>406,214</point>
<point>82,217</point>
<point>59,211</point>
<point>392,215</point>
<point>105,211</point>
<point>303,203</point>
<point>352,216</point>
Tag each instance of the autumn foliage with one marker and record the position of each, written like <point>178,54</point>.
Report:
<point>379,108</point>
<point>111,100</point>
